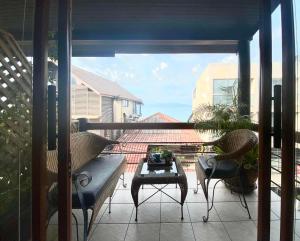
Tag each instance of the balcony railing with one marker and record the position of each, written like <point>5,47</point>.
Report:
<point>130,147</point>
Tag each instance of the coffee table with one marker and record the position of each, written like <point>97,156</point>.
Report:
<point>165,175</point>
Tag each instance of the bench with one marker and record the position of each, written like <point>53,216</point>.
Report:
<point>94,176</point>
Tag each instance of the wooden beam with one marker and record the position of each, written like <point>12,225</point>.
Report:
<point>64,156</point>
<point>288,122</point>
<point>139,125</point>
<point>264,173</point>
<point>244,100</point>
<point>39,122</point>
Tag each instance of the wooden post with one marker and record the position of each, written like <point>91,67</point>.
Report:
<point>244,78</point>
<point>82,124</point>
<point>51,117</point>
<point>39,121</point>
<point>64,156</point>
<point>288,122</point>
<point>264,174</point>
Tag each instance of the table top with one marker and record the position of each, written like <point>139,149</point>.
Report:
<point>159,170</point>
<point>169,174</point>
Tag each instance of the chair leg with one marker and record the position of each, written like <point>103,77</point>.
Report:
<point>209,208</point>
<point>109,205</point>
<point>123,179</point>
<point>85,224</point>
<point>76,221</point>
<point>244,201</point>
<point>197,185</point>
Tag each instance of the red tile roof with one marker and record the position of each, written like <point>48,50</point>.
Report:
<point>137,141</point>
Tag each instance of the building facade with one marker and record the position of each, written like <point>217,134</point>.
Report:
<point>102,100</point>
<point>218,85</point>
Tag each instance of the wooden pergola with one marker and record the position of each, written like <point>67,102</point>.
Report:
<point>104,28</point>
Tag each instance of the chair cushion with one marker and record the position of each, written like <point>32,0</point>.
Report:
<point>224,168</point>
<point>101,169</point>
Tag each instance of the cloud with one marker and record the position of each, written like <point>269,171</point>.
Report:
<point>157,70</point>
<point>163,65</point>
<point>230,59</point>
<point>196,68</point>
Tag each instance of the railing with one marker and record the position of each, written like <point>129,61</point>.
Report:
<point>84,125</point>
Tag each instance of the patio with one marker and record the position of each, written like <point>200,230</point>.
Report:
<point>159,217</point>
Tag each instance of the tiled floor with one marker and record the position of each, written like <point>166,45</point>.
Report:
<point>159,217</point>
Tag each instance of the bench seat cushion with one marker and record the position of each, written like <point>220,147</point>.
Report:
<point>101,169</point>
<point>224,169</point>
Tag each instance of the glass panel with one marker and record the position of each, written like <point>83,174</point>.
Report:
<point>16,25</point>
<point>170,170</point>
<point>224,91</point>
<point>297,167</point>
<point>52,169</point>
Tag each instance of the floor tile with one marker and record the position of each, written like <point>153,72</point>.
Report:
<point>253,208</point>
<point>210,231</point>
<point>195,197</point>
<point>223,195</point>
<point>176,232</point>
<point>171,212</point>
<point>198,210</point>
<point>144,232</point>
<point>275,207</point>
<point>231,211</point>
<point>79,215</point>
<point>175,193</point>
<point>243,230</point>
<point>146,192</point>
<point>109,232</point>
<point>275,230</point>
<point>80,232</point>
<point>147,213</point>
<point>120,213</point>
<point>122,196</point>
<point>52,232</point>
<point>275,197</point>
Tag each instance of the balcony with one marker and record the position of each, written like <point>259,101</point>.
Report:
<point>159,216</point>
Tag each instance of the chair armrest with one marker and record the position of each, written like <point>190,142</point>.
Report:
<point>82,179</point>
<point>232,155</point>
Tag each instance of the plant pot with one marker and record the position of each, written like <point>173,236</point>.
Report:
<point>249,178</point>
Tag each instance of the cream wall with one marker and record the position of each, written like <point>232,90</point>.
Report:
<point>85,103</point>
<point>203,92</point>
<point>119,110</point>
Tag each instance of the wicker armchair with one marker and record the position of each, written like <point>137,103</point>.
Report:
<point>226,165</point>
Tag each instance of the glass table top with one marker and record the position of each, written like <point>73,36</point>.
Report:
<point>159,170</point>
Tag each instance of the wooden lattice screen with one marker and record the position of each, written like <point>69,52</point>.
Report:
<point>15,137</point>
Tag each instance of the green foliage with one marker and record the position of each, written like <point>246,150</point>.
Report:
<point>166,154</point>
<point>15,155</point>
<point>221,119</point>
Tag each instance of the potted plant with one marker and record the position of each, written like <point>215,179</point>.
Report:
<point>221,119</point>
<point>168,156</point>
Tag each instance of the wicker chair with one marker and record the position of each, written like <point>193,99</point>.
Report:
<point>226,165</point>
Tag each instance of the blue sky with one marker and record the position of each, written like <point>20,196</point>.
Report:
<point>165,82</point>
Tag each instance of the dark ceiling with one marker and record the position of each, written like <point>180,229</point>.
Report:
<point>151,20</point>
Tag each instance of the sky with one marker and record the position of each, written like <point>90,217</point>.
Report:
<point>165,82</point>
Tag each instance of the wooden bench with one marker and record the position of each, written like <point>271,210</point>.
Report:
<point>94,176</point>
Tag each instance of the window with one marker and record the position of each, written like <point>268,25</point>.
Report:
<point>224,91</point>
<point>125,103</point>
<point>137,109</point>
